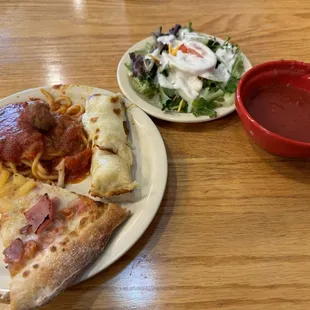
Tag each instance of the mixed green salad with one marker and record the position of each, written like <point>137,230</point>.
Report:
<point>186,71</point>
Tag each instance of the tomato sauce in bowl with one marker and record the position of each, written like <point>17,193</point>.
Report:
<point>282,109</point>
<point>273,102</point>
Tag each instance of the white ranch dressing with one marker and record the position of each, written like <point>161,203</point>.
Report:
<point>185,68</point>
<point>166,38</point>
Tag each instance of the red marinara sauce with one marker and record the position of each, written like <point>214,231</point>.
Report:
<point>282,109</point>
<point>78,166</point>
<point>18,139</point>
<point>29,128</point>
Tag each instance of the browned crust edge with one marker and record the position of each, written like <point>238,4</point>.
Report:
<point>58,269</point>
<point>126,189</point>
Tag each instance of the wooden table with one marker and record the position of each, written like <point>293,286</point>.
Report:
<point>233,230</point>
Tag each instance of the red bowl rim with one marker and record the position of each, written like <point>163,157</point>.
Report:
<point>240,105</point>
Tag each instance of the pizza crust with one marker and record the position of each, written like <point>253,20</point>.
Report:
<point>59,265</point>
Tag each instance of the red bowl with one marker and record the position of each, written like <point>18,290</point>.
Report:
<point>284,72</point>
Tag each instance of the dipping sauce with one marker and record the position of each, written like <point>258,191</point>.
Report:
<point>282,109</point>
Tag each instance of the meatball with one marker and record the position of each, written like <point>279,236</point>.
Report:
<point>39,115</point>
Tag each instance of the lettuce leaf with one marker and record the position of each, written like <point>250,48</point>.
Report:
<point>208,101</point>
<point>236,73</point>
<point>228,100</point>
<point>203,107</point>
<point>238,67</point>
<point>170,100</point>
<point>129,67</point>
<point>158,32</point>
<point>189,27</point>
<point>137,64</point>
<point>231,85</point>
<point>213,45</point>
<point>144,87</point>
<point>175,29</point>
<point>163,97</point>
<point>148,49</point>
<point>210,95</point>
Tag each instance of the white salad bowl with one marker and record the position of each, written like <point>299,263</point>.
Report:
<point>151,107</point>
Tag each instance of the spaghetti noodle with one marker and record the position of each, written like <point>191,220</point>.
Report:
<point>57,105</point>
<point>37,139</point>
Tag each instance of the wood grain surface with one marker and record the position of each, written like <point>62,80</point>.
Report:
<point>233,230</point>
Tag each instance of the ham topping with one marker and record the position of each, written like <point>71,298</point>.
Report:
<point>42,214</point>
<point>25,230</point>
<point>14,252</point>
<point>55,202</point>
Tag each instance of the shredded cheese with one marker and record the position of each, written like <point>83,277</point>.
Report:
<point>174,51</point>
<point>180,105</point>
<point>155,58</point>
<point>170,48</point>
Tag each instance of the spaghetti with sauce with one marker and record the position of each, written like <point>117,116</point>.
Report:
<point>44,141</point>
<point>63,104</point>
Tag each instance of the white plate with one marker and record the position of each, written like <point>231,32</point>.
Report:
<point>135,97</point>
<point>150,170</point>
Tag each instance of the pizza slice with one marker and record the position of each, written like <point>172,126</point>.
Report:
<point>49,236</point>
<point>105,122</point>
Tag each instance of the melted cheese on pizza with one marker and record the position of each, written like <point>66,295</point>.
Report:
<point>18,196</point>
